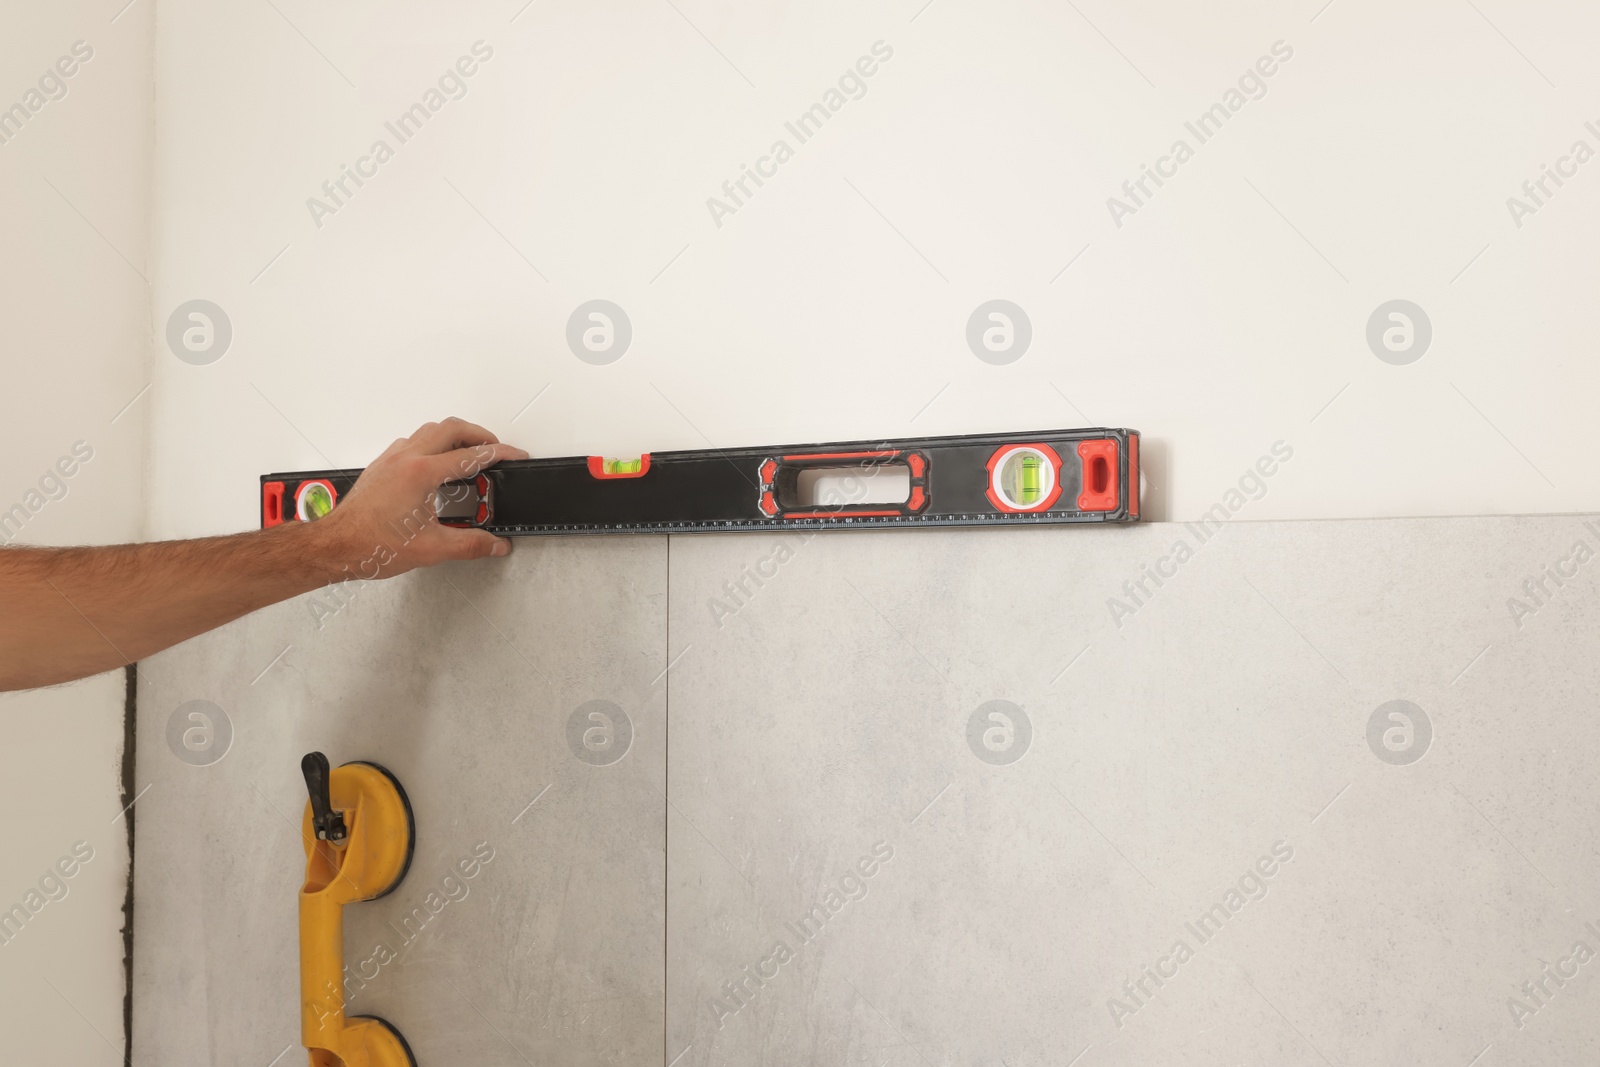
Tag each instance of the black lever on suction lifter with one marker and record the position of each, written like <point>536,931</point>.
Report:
<point>326,823</point>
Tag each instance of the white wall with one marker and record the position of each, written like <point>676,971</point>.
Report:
<point>1229,312</point>
<point>75,184</point>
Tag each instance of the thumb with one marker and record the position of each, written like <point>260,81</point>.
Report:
<point>473,544</point>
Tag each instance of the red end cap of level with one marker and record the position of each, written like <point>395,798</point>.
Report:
<point>271,504</point>
<point>1099,475</point>
<point>1133,475</point>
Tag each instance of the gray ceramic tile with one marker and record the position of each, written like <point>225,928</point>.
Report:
<point>823,696</point>
<point>1213,728</point>
<point>461,681</point>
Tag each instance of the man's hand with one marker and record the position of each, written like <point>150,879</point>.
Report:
<point>387,524</point>
<point>70,612</point>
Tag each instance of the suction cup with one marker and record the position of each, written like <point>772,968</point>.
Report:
<point>385,1046</point>
<point>411,825</point>
<point>359,830</point>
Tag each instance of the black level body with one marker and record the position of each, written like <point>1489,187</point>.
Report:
<point>1037,477</point>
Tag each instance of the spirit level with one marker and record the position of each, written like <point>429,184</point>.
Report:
<point>1047,476</point>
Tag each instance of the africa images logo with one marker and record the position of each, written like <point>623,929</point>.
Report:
<point>1252,85</point>
<point>852,85</point>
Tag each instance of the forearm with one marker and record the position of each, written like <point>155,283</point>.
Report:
<point>70,612</point>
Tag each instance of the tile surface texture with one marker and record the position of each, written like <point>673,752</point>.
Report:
<point>461,681</point>
<point>1194,829</point>
<point>1210,751</point>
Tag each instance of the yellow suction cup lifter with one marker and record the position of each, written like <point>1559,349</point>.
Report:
<point>359,836</point>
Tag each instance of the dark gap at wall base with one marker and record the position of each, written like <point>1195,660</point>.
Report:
<point>129,733</point>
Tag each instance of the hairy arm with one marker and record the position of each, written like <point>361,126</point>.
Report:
<point>67,613</point>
